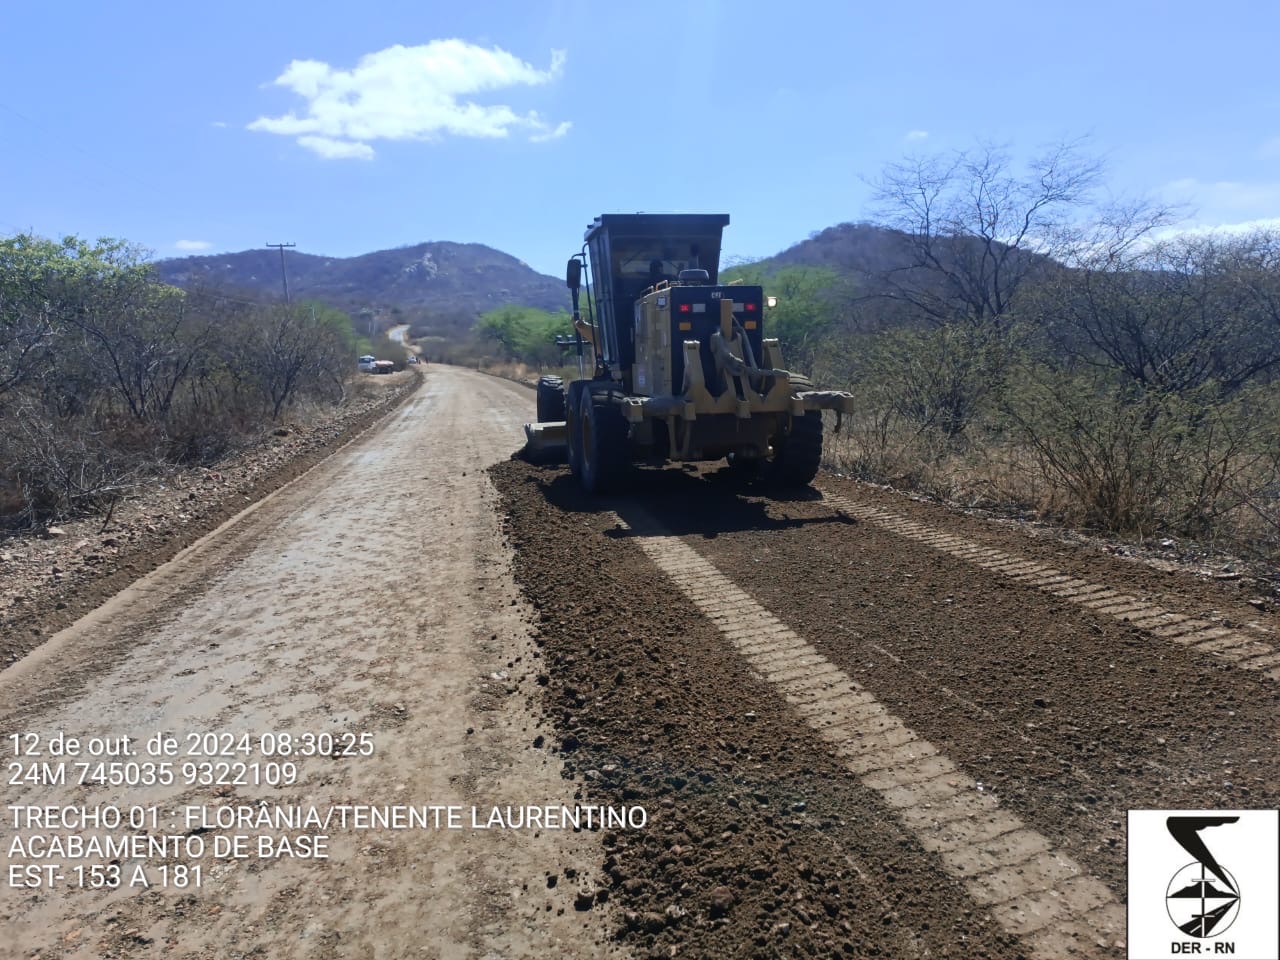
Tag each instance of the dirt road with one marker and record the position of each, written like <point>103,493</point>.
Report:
<point>370,604</point>
<point>857,725</point>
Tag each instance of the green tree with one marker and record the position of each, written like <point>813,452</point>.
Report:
<point>47,286</point>
<point>525,333</point>
<point>808,305</point>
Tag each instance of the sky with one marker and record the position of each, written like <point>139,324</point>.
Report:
<point>351,127</point>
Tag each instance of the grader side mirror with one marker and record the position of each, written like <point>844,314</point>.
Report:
<point>573,274</point>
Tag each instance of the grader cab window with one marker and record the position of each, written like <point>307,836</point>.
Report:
<point>645,262</point>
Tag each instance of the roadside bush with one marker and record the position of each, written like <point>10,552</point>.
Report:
<point>1082,446</point>
<point>107,374</point>
<point>524,334</point>
<point>1117,457</point>
<point>922,397</point>
<point>58,469</point>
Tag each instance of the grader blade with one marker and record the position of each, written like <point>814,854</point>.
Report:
<point>546,443</point>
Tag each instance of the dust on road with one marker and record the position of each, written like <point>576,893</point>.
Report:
<point>373,596</point>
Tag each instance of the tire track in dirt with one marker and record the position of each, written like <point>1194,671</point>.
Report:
<point>1243,649</point>
<point>1068,715</point>
<point>1065,715</point>
<point>1221,597</point>
<point>760,842</point>
<point>1034,891</point>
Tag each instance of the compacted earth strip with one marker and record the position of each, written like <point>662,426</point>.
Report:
<point>48,582</point>
<point>1242,648</point>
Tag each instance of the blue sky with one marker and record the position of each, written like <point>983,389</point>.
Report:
<point>347,128</point>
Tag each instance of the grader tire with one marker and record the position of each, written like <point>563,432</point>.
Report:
<point>577,391</point>
<point>798,454</point>
<point>550,400</point>
<point>743,473</point>
<point>603,435</point>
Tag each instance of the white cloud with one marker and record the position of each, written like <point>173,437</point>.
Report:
<point>1261,225</point>
<point>1220,208</point>
<point>917,135</point>
<point>337,149</point>
<point>218,123</point>
<point>192,245</point>
<point>409,93</point>
<point>1220,196</point>
<point>555,134</point>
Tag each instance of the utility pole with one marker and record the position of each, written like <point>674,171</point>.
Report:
<point>283,276</point>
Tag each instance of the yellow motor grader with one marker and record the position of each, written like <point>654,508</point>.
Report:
<point>674,365</point>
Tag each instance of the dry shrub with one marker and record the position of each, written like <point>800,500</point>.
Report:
<point>1082,449</point>
<point>524,373</point>
<point>986,473</point>
<point>66,468</point>
<point>1135,461</point>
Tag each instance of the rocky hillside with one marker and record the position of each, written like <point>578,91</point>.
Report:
<point>442,279</point>
<point>865,252</point>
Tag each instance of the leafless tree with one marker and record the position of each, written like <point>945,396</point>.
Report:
<point>1189,312</point>
<point>977,230</point>
<point>295,349</point>
<point>24,335</point>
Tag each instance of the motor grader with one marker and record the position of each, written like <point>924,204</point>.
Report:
<point>674,365</point>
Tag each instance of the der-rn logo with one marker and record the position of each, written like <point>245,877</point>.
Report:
<point>1203,883</point>
<point>1203,898</point>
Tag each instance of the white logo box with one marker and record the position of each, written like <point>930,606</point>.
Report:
<point>1222,883</point>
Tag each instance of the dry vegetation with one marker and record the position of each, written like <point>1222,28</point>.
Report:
<point>107,375</point>
<point>1078,363</point>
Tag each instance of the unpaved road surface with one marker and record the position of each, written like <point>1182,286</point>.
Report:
<point>859,725</point>
<point>49,582</point>
<point>372,596</point>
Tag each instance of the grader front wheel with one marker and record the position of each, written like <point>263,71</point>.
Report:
<point>602,431</point>
<point>550,400</point>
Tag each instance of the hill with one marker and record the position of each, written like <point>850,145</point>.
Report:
<point>850,249</point>
<point>438,283</point>
<point>900,278</point>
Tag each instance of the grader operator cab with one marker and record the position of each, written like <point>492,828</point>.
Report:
<point>674,365</point>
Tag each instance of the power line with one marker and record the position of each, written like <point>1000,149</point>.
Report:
<point>67,142</point>
<point>284,276</point>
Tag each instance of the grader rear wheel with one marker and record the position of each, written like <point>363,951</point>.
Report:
<point>577,391</point>
<point>797,454</point>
